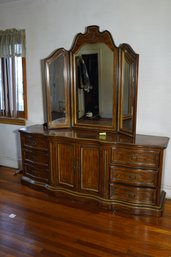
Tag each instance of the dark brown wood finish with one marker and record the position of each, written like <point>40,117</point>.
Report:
<point>117,171</point>
<point>47,226</point>
<point>92,35</point>
<point>63,163</point>
<point>36,157</point>
<point>97,157</point>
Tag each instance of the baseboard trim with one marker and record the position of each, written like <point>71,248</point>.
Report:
<point>167,189</point>
<point>10,162</point>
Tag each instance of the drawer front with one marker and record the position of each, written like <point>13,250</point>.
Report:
<point>36,142</point>
<point>136,157</point>
<point>133,194</point>
<point>136,177</point>
<point>36,172</point>
<point>39,157</point>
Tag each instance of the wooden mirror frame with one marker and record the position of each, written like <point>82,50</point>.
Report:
<point>127,54</point>
<point>66,121</point>
<point>92,35</point>
<point>124,52</point>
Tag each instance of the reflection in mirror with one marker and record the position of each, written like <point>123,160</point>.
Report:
<point>94,83</point>
<point>126,107</point>
<point>57,89</point>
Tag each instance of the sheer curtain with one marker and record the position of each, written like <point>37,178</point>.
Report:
<point>12,58</point>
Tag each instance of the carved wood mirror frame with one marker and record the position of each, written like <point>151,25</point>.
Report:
<point>58,89</point>
<point>90,40</point>
<point>127,91</point>
<point>114,110</point>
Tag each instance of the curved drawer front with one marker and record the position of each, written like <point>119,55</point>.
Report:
<point>133,194</point>
<point>136,157</point>
<point>37,172</point>
<point>136,177</point>
<point>35,142</point>
<point>36,157</point>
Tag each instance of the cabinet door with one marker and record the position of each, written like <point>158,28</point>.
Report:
<point>89,177</point>
<point>63,164</point>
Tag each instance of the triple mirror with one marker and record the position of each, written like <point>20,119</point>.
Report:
<point>94,85</point>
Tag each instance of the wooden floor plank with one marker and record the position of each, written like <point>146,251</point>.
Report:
<point>44,226</point>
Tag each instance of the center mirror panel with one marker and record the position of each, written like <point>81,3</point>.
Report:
<point>94,82</point>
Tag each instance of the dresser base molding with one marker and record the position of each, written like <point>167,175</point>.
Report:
<point>115,206</point>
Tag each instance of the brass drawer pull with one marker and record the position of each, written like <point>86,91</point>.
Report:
<point>134,157</point>
<point>131,195</point>
<point>131,177</point>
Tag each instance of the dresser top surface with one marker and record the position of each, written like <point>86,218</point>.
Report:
<point>138,140</point>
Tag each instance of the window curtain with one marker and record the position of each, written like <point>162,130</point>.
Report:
<point>12,53</point>
<point>12,43</point>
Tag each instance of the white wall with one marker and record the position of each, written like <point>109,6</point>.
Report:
<point>51,24</point>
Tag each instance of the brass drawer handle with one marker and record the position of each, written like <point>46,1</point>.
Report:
<point>131,176</point>
<point>131,195</point>
<point>134,157</point>
<point>34,142</point>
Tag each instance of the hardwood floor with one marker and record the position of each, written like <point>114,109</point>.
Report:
<point>43,226</point>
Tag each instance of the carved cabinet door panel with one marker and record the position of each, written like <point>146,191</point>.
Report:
<point>63,164</point>
<point>89,176</point>
<point>76,166</point>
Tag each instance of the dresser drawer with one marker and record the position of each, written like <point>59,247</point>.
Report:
<point>37,172</point>
<point>136,177</point>
<point>136,157</point>
<point>133,194</point>
<point>35,142</point>
<point>36,156</point>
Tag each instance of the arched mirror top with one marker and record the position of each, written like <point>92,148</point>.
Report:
<point>92,35</point>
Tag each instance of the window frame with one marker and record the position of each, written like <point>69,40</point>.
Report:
<point>19,120</point>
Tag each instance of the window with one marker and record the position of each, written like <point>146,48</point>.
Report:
<point>13,104</point>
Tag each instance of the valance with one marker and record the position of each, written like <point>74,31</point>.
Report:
<point>12,43</point>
